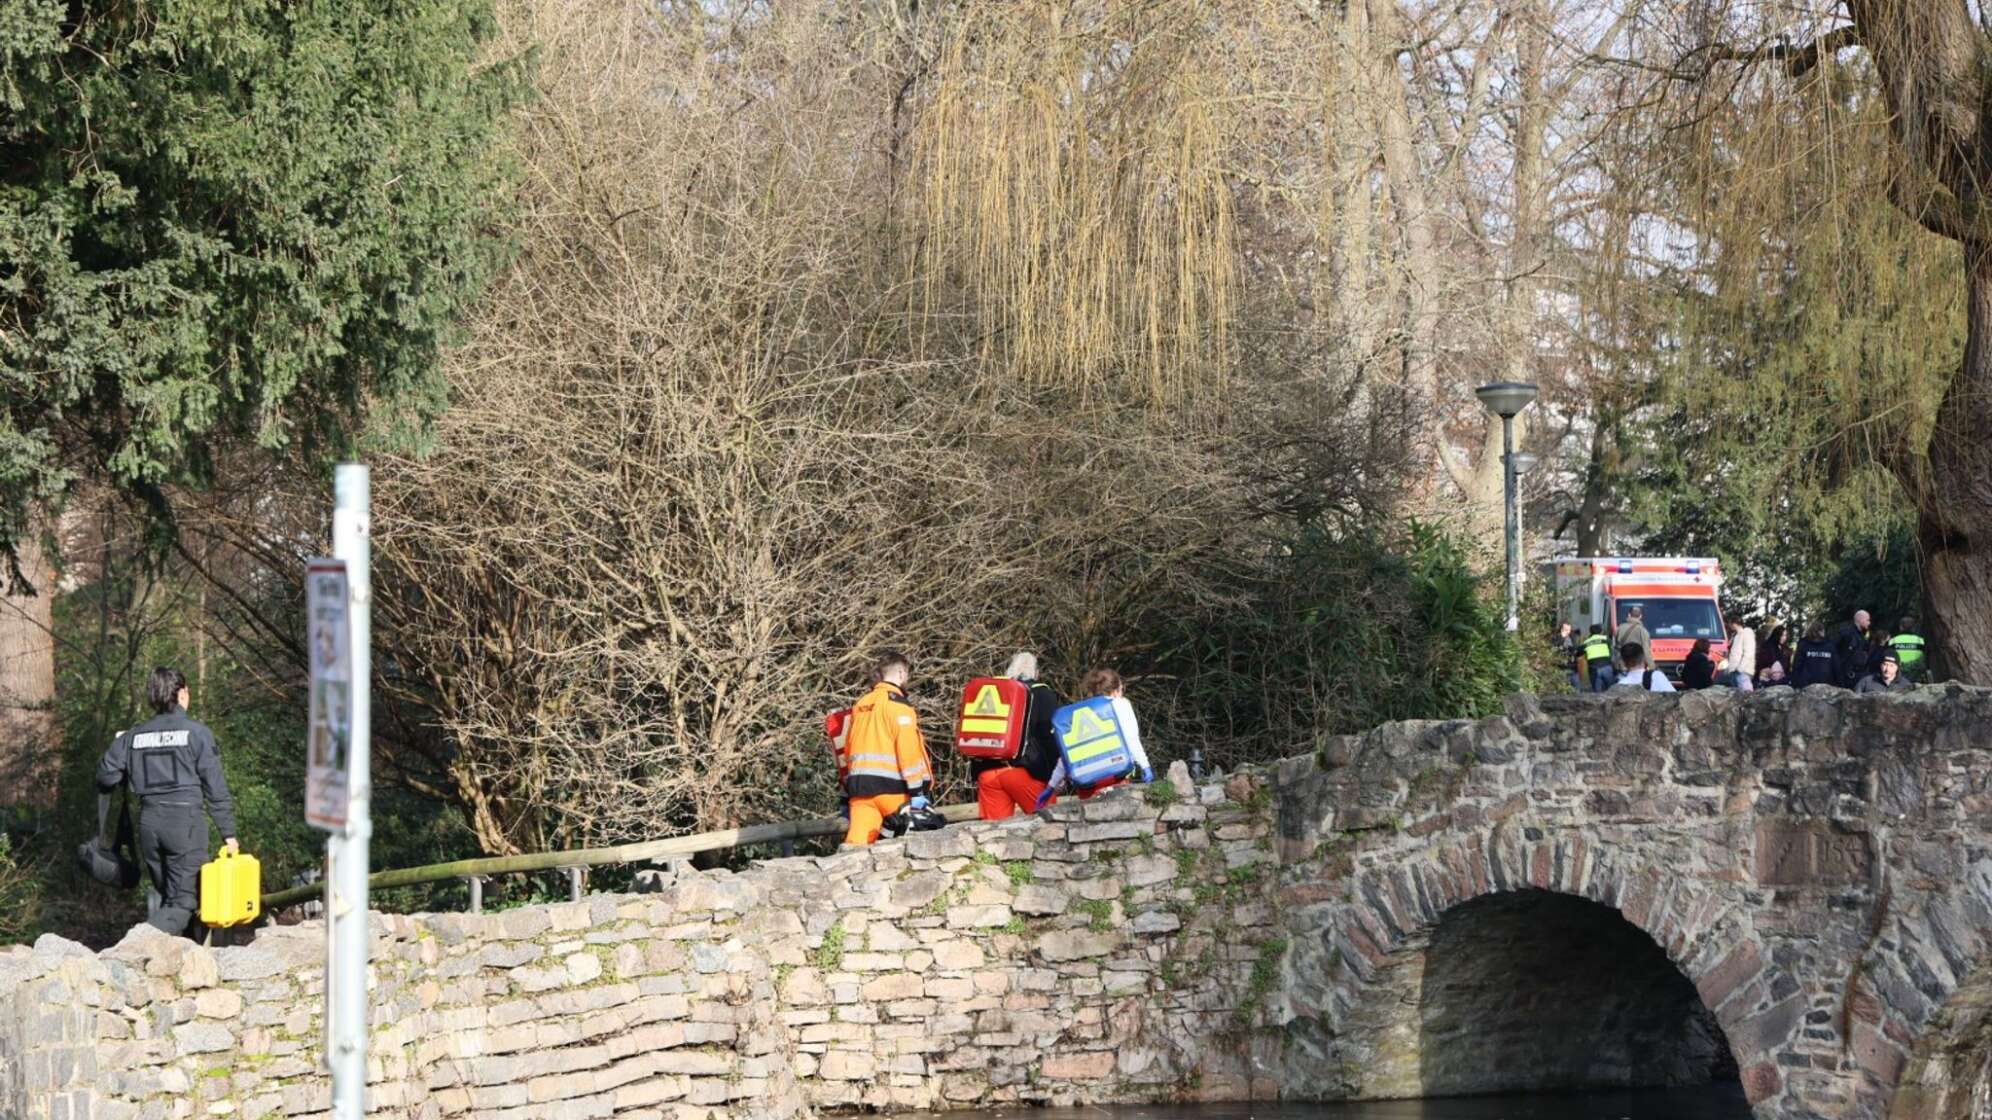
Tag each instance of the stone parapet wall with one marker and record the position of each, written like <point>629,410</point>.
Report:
<point>1117,949</point>
<point>1584,891</point>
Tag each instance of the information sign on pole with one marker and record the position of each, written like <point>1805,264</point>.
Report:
<point>329,727</point>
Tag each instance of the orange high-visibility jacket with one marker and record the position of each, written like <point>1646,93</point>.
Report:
<point>883,747</point>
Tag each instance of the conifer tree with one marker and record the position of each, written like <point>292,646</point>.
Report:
<point>227,222</point>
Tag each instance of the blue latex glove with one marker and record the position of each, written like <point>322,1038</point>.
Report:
<point>1147,773</point>
<point>918,803</point>
<point>844,811</point>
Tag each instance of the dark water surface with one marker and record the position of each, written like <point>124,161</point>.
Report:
<point>1720,1102</point>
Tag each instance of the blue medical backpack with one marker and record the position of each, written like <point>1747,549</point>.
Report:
<point>1089,736</point>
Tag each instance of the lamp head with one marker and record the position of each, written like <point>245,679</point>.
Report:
<point>1506,398</point>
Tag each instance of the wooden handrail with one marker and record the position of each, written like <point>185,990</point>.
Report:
<point>594,857</point>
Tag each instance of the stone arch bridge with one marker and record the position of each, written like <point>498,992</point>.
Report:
<point>1791,892</point>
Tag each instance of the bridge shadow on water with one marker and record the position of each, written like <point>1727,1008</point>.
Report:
<point>1537,992</point>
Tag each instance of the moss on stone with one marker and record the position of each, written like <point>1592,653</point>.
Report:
<point>1099,913</point>
<point>830,954</point>
<point>1186,862</point>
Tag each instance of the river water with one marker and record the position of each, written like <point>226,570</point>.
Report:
<point>1722,1102</point>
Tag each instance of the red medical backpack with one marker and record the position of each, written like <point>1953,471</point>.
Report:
<point>837,728</point>
<point>990,724</point>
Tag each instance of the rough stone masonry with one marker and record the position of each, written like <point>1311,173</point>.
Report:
<point>1793,889</point>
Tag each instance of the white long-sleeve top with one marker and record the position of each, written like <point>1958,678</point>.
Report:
<point>1743,651</point>
<point>1130,733</point>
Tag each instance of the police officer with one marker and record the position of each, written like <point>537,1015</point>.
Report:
<point>173,766</point>
<point>1597,651</point>
<point>1853,650</point>
<point>1910,650</point>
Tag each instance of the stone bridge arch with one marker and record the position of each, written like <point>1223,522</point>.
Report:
<point>1371,969</point>
<point>1817,865</point>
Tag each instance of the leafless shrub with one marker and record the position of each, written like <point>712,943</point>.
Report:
<point>723,431</point>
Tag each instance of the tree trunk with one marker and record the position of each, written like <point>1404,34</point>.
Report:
<point>1954,497</point>
<point>1599,473</point>
<point>1932,61</point>
<point>1406,176</point>
<point>1485,485</point>
<point>28,734</point>
<point>1350,228</point>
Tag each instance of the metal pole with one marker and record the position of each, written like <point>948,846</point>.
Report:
<point>346,852</point>
<point>477,894</point>
<point>1514,522</point>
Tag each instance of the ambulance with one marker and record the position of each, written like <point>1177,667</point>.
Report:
<point>1678,594</point>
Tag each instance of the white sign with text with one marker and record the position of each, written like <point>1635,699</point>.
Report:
<point>329,730</point>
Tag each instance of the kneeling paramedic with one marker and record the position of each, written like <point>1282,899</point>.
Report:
<point>1107,683</point>
<point>173,766</point>
<point>1003,788</point>
<point>885,758</point>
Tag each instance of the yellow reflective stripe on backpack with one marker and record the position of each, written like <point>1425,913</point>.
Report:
<point>1094,748</point>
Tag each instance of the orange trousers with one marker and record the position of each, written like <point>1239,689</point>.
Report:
<point>868,815</point>
<point>1005,790</point>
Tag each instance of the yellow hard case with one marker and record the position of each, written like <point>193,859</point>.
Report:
<point>231,890</point>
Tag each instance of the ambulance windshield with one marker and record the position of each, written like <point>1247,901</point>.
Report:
<point>1676,618</point>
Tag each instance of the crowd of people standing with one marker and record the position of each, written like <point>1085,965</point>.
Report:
<point>1857,655</point>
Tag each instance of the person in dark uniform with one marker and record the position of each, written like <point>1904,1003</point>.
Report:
<point>1852,651</point>
<point>1814,662</point>
<point>173,766</point>
<point>1699,670</point>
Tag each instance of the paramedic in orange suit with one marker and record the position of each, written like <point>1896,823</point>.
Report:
<point>886,757</point>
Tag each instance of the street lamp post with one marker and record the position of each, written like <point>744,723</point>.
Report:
<point>1507,399</point>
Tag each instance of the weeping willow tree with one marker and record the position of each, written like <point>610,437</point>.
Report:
<point>1809,334</point>
<point>1072,188</point>
<point>1912,84</point>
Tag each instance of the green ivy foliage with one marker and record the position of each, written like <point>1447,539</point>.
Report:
<point>20,895</point>
<point>233,220</point>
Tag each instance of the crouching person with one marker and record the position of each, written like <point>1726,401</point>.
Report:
<point>886,766</point>
<point>1099,740</point>
<point>1003,786</point>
